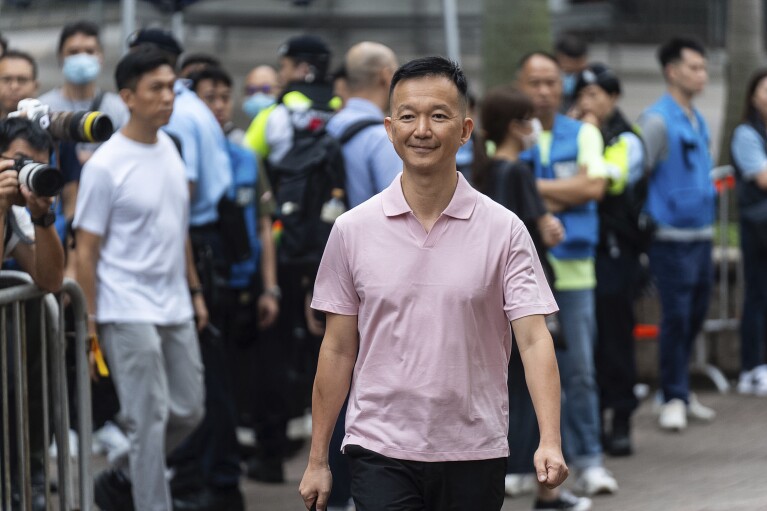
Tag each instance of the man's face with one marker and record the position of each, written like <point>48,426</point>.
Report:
<point>571,65</point>
<point>218,97</point>
<point>81,43</point>
<point>593,100</point>
<point>152,101</point>
<point>689,73</point>
<point>541,81</point>
<point>427,124</point>
<point>17,82</point>
<point>20,148</point>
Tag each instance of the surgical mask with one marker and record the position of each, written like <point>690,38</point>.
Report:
<point>81,68</point>
<point>531,138</point>
<point>568,84</point>
<point>254,103</point>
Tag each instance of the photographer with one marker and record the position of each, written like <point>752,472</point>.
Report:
<point>30,238</point>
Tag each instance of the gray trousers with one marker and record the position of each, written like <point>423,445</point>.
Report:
<point>158,374</point>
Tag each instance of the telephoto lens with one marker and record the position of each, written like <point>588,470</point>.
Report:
<point>80,126</point>
<point>40,178</point>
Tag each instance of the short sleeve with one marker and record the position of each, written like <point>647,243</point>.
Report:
<point>334,289</point>
<point>525,289</point>
<point>636,157</point>
<point>94,199</point>
<point>590,150</point>
<point>748,151</point>
<point>654,137</point>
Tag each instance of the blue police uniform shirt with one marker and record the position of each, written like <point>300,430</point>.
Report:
<point>203,147</point>
<point>370,159</point>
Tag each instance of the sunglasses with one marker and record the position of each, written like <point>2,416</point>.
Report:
<point>252,89</point>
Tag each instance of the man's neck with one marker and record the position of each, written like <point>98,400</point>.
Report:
<point>139,132</point>
<point>75,92</point>
<point>428,194</point>
<point>682,98</point>
<point>547,120</point>
<point>378,98</point>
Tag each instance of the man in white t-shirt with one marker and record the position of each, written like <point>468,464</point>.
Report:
<point>134,266</point>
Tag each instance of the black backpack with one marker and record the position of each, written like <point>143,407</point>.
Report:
<point>308,176</point>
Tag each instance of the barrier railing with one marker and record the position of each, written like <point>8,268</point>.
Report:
<point>21,299</point>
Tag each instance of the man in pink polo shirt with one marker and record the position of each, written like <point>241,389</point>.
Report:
<point>419,284</point>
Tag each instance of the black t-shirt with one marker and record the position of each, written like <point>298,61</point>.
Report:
<point>512,184</point>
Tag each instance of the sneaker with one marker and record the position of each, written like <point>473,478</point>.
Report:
<point>596,480</point>
<point>760,381</point>
<point>520,484</point>
<point>112,491</point>
<point>696,410</point>
<point>746,383</point>
<point>673,415</point>
<point>566,501</point>
<point>110,440</point>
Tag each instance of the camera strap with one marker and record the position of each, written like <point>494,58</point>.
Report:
<point>96,103</point>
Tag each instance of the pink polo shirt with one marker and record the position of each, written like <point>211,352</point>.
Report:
<point>433,313</point>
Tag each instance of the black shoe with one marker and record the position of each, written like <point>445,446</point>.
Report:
<point>112,491</point>
<point>266,470</point>
<point>565,502</point>
<point>210,499</point>
<point>619,443</point>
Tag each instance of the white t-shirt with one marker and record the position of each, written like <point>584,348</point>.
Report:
<point>24,223</point>
<point>135,197</point>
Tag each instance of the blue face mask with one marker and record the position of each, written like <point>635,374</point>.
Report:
<point>568,84</point>
<point>81,68</point>
<point>254,103</point>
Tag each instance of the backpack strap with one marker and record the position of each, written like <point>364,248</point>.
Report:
<point>351,131</point>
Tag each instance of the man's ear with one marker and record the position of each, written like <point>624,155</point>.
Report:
<point>387,125</point>
<point>468,127</point>
<point>127,96</point>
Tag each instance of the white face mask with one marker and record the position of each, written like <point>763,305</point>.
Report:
<point>531,138</point>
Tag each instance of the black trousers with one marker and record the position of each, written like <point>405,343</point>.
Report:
<point>617,280</point>
<point>386,484</point>
<point>523,423</point>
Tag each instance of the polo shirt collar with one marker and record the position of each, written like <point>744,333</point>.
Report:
<point>461,205</point>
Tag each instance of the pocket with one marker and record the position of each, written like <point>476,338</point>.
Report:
<point>691,207</point>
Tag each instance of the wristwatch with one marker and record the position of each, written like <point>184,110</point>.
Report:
<point>45,220</point>
<point>274,292</point>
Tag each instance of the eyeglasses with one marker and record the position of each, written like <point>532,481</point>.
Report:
<point>252,89</point>
<point>21,80</point>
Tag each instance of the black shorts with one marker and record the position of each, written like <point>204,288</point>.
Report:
<point>387,484</point>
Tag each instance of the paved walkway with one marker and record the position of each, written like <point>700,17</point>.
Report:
<point>712,467</point>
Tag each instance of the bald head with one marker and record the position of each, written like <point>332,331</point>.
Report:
<point>260,77</point>
<point>369,65</point>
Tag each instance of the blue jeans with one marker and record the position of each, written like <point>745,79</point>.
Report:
<point>683,274</point>
<point>580,412</point>
<point>753,324</point>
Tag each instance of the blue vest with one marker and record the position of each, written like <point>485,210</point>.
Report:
<point>243,193</point>
<point>681,193</point>
<point>581,223</point>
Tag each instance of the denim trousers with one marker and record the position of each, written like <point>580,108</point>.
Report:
<point>753,324</point>
<point>580,411</point>
<point>683,274</point>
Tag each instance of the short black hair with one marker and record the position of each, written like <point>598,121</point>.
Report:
<point>22,55</point>
<point>78,27</point>
<point>199,58</point>
<point>671,50</point>
<point>572,46</point>
<point>536,53</point>
<point>15,128</point>
<point>137,63</point>
<point>216,74</point>
<point>433,67</point>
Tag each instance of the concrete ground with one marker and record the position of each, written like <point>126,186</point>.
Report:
<point>709,467</point>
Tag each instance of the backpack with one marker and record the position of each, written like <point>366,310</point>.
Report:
<point>308,177</point>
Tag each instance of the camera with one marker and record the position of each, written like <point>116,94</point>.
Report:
<point>41,179</point>
<point>83,126</point>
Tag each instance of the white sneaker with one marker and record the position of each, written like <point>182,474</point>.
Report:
<point>760,381</point>
<point>746,384</point>
<point>673,415</point>
<point>566,501</point>
<point>519,484</point>
<point>110,440</point>
<point>696,410</point>
<point>596,480</point>
<point>53,450</point>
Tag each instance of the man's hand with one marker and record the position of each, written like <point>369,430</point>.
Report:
<point>551,229</point>
<point>9,185</point>
<point>200,311</point>
<point>315,485</point>
<point>550,466</point>
<point>38,206</point>
<point>268,310</point>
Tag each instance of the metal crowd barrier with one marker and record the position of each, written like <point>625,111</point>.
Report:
<point>17,292</point>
